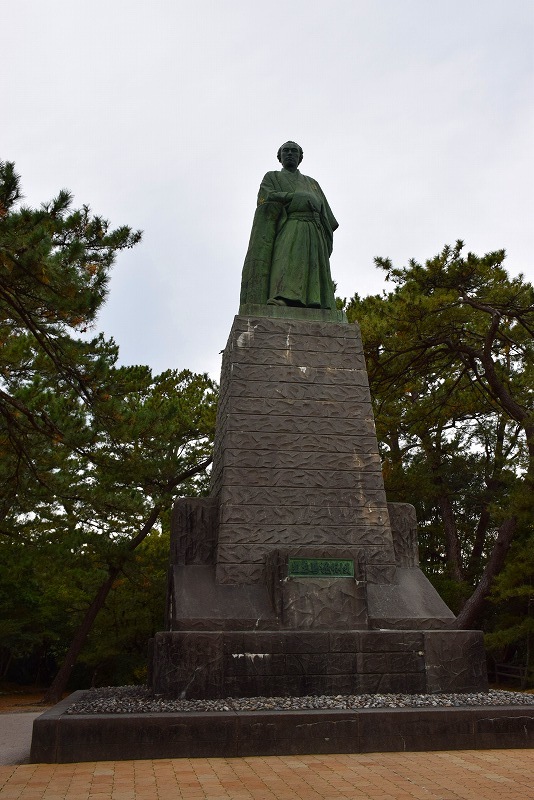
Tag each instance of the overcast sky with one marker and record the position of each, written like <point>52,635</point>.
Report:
<point>416,117</point>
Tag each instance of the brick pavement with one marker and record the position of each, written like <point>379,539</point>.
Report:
<point>459,775</point>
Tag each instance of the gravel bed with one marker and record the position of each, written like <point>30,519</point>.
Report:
<point>140,700</point>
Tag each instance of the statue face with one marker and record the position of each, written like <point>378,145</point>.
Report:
<point>290,156</point>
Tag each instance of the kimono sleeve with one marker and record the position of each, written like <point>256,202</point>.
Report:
<point>257,266</point>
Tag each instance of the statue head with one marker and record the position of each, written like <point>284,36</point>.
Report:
<point>290,154</point>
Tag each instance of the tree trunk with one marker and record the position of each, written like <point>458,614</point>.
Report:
<point>473,606</point>
<point>480,540</point>
<point>6,665</point>
<point>55,693</point>
<point>59,684</point>
<point>453,547</point>
<point>452,540</point>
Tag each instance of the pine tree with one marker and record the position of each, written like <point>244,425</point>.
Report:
<point>450,355</point>
<point>91,453</point>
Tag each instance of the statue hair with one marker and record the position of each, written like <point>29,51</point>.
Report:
<point>279,154</point>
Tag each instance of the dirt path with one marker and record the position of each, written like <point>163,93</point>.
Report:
<point>21,702</point>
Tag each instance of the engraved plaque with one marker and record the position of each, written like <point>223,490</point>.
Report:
<point>320,568</point>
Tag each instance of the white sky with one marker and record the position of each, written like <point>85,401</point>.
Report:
<point>416,117</point>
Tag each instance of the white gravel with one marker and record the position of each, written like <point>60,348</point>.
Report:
<point>140,700</point>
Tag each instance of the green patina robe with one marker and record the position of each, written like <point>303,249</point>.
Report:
<point>290,244</point>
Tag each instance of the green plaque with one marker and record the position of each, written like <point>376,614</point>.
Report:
<point>321,568</point>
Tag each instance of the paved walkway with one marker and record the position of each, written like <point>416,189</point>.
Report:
<point>462,775</point>
<point>16,737</point>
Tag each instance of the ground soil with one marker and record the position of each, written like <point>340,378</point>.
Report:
<point>18,699</point>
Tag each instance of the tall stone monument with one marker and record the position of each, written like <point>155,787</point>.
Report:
<point>296,576</point>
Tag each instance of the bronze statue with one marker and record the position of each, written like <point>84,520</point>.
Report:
<point>287,262</point>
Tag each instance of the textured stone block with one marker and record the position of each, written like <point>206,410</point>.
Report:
<point>379,554</point>
<point>255,553</point>
<point>416,730</point>
<point>342,663</point>
<point>284,496</point>
<point>289,340</point>
<point>380,683</point>
<point>260,642</point>
<point>355,554</point>
<point>251,440</point>
<point>372,519</point>
<point>326,409</point>
<point>242,553</point>
<point>303,478</point>
<point>504,724</point>
<point>188,662</point>
<point>254,325</point>
<point>301,359</point>
<point>390,662</point>
<point>249,665</point>
<point>301,641</point>
<point>495,728</point>
<point>344,642</point>
<point>295,391</point>
<point>285,535</point>
<point>392,641</point>
<point>381,573</point>
<point>455,661</point>
<point>194,524</point>
<point>404,530</point>
<point>303,660</point>
<point>410,603</point>
<point>304,375</point>
<point>239,573</point>
<point>282,685</point>
<point>306,663</point>
<point>293,459</point>
<point>323,604</point>
<point>268,423</point>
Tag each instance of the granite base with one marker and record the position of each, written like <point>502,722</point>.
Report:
<point>62,738</point>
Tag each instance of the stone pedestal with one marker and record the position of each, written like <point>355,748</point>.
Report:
<point>296,458</point>
<point>296,576</point>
